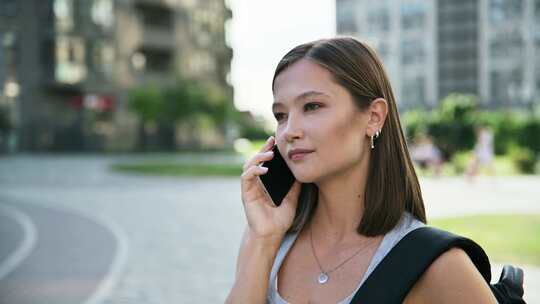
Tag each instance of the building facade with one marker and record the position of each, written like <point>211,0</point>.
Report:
<point>72,63</point>
<point>435,48</point>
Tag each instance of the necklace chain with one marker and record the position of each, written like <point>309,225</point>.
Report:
<point>326,273</point>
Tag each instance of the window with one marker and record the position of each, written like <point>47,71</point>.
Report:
<point>63,15</point>
<point>505,10</point>
<point>412,52</point>
<point>157,60</point>
<point>345,17</point>
<point>507,45</point>
<point>8,8</point>
<point>102,13</point>
<point>537,11</point>
<point>505,85</point>
<point>413,15</point>
<point>379,20</point>
<point>103,59</point>
<point>414,91</point>
<point>69,66</point>
<point>155,15</point>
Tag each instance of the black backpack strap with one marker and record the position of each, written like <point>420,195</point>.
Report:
<point>393,278</point>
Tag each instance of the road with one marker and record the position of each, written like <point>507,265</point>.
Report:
<point>104,237</point>
<point>62,257</point>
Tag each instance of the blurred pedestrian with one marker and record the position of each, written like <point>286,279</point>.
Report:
<point>426,154</point>
<point>483,154</point>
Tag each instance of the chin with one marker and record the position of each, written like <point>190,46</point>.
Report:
<point>304,177</point>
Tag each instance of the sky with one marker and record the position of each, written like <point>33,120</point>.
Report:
<point>260,33</point>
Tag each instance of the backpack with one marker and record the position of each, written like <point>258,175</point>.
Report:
<point>413,254</point>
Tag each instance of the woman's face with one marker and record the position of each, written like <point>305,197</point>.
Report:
<point>313,112</point>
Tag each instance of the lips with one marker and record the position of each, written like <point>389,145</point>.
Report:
<point>298,151</point>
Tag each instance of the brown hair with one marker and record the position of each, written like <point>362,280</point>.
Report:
<point>392,185</point>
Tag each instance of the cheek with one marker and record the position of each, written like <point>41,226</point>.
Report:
<point>345,138</point>
<point>342,132</point>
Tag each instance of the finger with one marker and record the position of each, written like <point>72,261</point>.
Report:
<point>258,159</point>
<point>249,177</point>
<point>268,145</point>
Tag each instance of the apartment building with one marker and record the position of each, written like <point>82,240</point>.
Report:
<point>72,63</point>
<point>434,48</point>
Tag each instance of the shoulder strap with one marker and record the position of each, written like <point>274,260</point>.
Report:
<point>397,273</point>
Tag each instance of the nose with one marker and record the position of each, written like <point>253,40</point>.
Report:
<point>293,129</point>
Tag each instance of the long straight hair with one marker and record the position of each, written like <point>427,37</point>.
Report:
<point>392,185</point>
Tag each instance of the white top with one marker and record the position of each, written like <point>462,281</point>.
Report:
<point>484,147</point>
<point>407,224</point>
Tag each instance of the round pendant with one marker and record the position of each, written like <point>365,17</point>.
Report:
<point>323,278</point>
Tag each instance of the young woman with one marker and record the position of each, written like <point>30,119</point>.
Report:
<point>356,193</point>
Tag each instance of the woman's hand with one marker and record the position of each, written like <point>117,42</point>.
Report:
<point>265,220</point>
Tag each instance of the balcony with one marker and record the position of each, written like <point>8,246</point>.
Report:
<point>154,37</point>
<point>157,24</point>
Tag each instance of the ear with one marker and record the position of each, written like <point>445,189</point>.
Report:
<point>377,112</point>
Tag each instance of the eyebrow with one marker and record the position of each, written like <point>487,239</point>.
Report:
<point>302,96</point>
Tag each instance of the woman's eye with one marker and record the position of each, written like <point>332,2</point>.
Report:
<point>312,105</point>
<point>308,106</point>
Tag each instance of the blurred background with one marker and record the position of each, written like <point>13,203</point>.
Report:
<point>124,125</point>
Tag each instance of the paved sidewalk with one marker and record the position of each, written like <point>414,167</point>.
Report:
<point>454,196</point>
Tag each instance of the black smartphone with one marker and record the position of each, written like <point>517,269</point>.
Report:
<point>279,179</point>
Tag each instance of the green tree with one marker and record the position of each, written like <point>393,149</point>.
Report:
<point>146,102</point>
<point>452,123</point>
<point>187,104</point>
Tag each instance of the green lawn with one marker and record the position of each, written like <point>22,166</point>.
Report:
<point>505,238</point>
<point>162,166</point>
<point>172,169</point>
